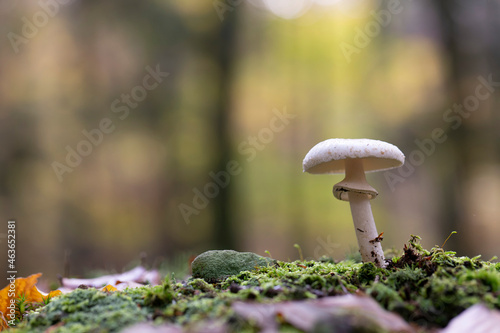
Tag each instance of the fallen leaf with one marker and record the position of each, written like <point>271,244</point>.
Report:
<point>122,285</point>
<point>353,312</point>
<point>109,288</point>
<point>477,319</point>
<point>150,328</point>
<point>137,275</point>
<point>22,287</point>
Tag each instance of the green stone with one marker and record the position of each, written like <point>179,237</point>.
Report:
<point>218,264</point>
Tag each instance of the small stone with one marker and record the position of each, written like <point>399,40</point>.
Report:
<point>218,264</point>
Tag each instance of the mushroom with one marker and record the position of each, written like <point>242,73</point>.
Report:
<point>355,157</point>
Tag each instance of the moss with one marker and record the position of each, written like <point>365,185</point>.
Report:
<point>219,264</point>
<point>386,296</point>
<point>86,310</point>
<point>427,288</point>
<point>201,285</point>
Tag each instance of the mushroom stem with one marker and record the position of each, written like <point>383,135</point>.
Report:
<point>364,224</point>
<point>366,231</point>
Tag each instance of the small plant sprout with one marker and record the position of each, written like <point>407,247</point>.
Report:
<point>354,157</point>
<point>297,246</point>
<point>452,233</point>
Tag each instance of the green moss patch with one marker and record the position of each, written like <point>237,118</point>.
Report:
<point>426,288</point>
<point>87,310</point>
<point>218,264</point>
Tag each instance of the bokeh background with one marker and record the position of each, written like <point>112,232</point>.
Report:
<point>251,87</point>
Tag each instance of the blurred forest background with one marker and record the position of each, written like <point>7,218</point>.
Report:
<point>105,156</point>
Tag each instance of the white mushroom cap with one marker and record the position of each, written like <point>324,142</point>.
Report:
<point>328,156</point>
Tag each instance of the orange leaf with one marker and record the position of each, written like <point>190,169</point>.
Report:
<point>15,289</point>
<point>109,288</point>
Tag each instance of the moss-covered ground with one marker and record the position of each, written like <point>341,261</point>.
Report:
<point>426,288</point>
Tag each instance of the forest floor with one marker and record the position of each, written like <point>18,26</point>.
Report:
<point>419,291</point>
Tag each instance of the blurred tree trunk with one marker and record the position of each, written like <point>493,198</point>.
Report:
<point>297,77</point>
<point>470,55</point>
<point>451,217</point>
<point>222,49</point>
